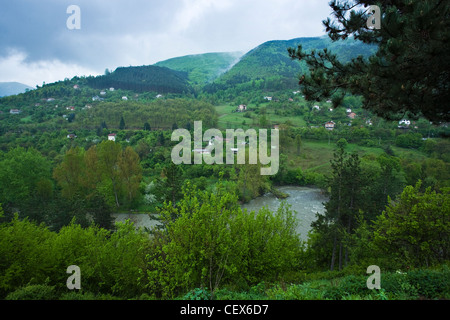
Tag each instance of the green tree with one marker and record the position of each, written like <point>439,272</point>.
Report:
<point>409,72</point>
<point>22,173</point>
<point>71,173</point>
<point>122,124</point>
<point>109,154</point>
<point>131,173</point>
<point>414,230</point>
<point>212,242</point>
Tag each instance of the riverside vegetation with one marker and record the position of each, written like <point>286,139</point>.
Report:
<point>387,183</point>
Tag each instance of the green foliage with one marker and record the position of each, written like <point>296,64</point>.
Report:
<point>22,170</point>
<point>33,292</point>
<point>409,140</point>
<point>144,78</point>
<point>406,73</point>
<point>212,241</point>
<point>417,226</point>
<point>202,68</point>
<point>198,294</point>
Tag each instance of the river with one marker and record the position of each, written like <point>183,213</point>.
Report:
<point>306,202</point>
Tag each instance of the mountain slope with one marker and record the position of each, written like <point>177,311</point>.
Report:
<point>271,63</point>
<point>142,79</point>
<point>12,88</point>
<point>203,68</point>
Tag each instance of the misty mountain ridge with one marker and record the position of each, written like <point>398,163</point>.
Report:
<point>13,88</point>
<point>266,67</point>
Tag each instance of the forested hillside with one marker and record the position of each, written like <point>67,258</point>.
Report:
<point>203,68</point>
<point>144,78</point>
<point>269,66</point>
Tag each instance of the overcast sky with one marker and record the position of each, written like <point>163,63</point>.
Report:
<point>36,45</point>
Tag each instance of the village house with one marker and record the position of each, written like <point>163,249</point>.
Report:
<point>201,151</point>
<point>330,125</point>
<point>242,108</point>
<point>76,86</point>
<point>352,115</point>
<point>125,98</point>
<point>404,122</point>
<point>112,137</point>
<point>15,111</point>
<point>71,136</point>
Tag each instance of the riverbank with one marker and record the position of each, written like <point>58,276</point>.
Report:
<point>305,201</point>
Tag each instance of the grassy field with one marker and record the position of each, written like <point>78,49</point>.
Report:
<point>234,120</point>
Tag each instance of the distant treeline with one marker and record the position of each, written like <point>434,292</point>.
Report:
<point>142,79</point>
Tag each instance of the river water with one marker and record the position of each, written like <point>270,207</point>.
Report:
<point>306,202</point>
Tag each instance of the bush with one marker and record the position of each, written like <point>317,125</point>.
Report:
<point>431,284</point>
<point>76,295</point>
<point>198,294</point>
<point>33,292</point>
<point>349,285</point>
<point>295,292</point>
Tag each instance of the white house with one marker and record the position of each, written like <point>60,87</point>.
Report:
<point>268,98</point>
<point>330,125</point>
<point>124,98</point>
<point>112,137</point>
<point>316,107</point>
<point>111,89</point>
<point>14,111</point>
<point>404,122</point>
<point>242,108</point>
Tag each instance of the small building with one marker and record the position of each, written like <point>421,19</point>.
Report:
<point>14,111</point>
<point>102,93</point>
<point>404,122</point>
<point>201,151</point>
<point>70,108</point>
<point>71,136</point>
<point>111,89</point>
<point>268,98</point>
<point>159,96</point>
<point>352,115</point>
<point>316,107</point>
<point>242,108</point>
<point>112,137</point>
<point>76,87</point>
<point>125,98</point>
<point>330,125</point>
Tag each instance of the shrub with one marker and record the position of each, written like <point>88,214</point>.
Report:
<point>431,284</point>
<point>33,292</point>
